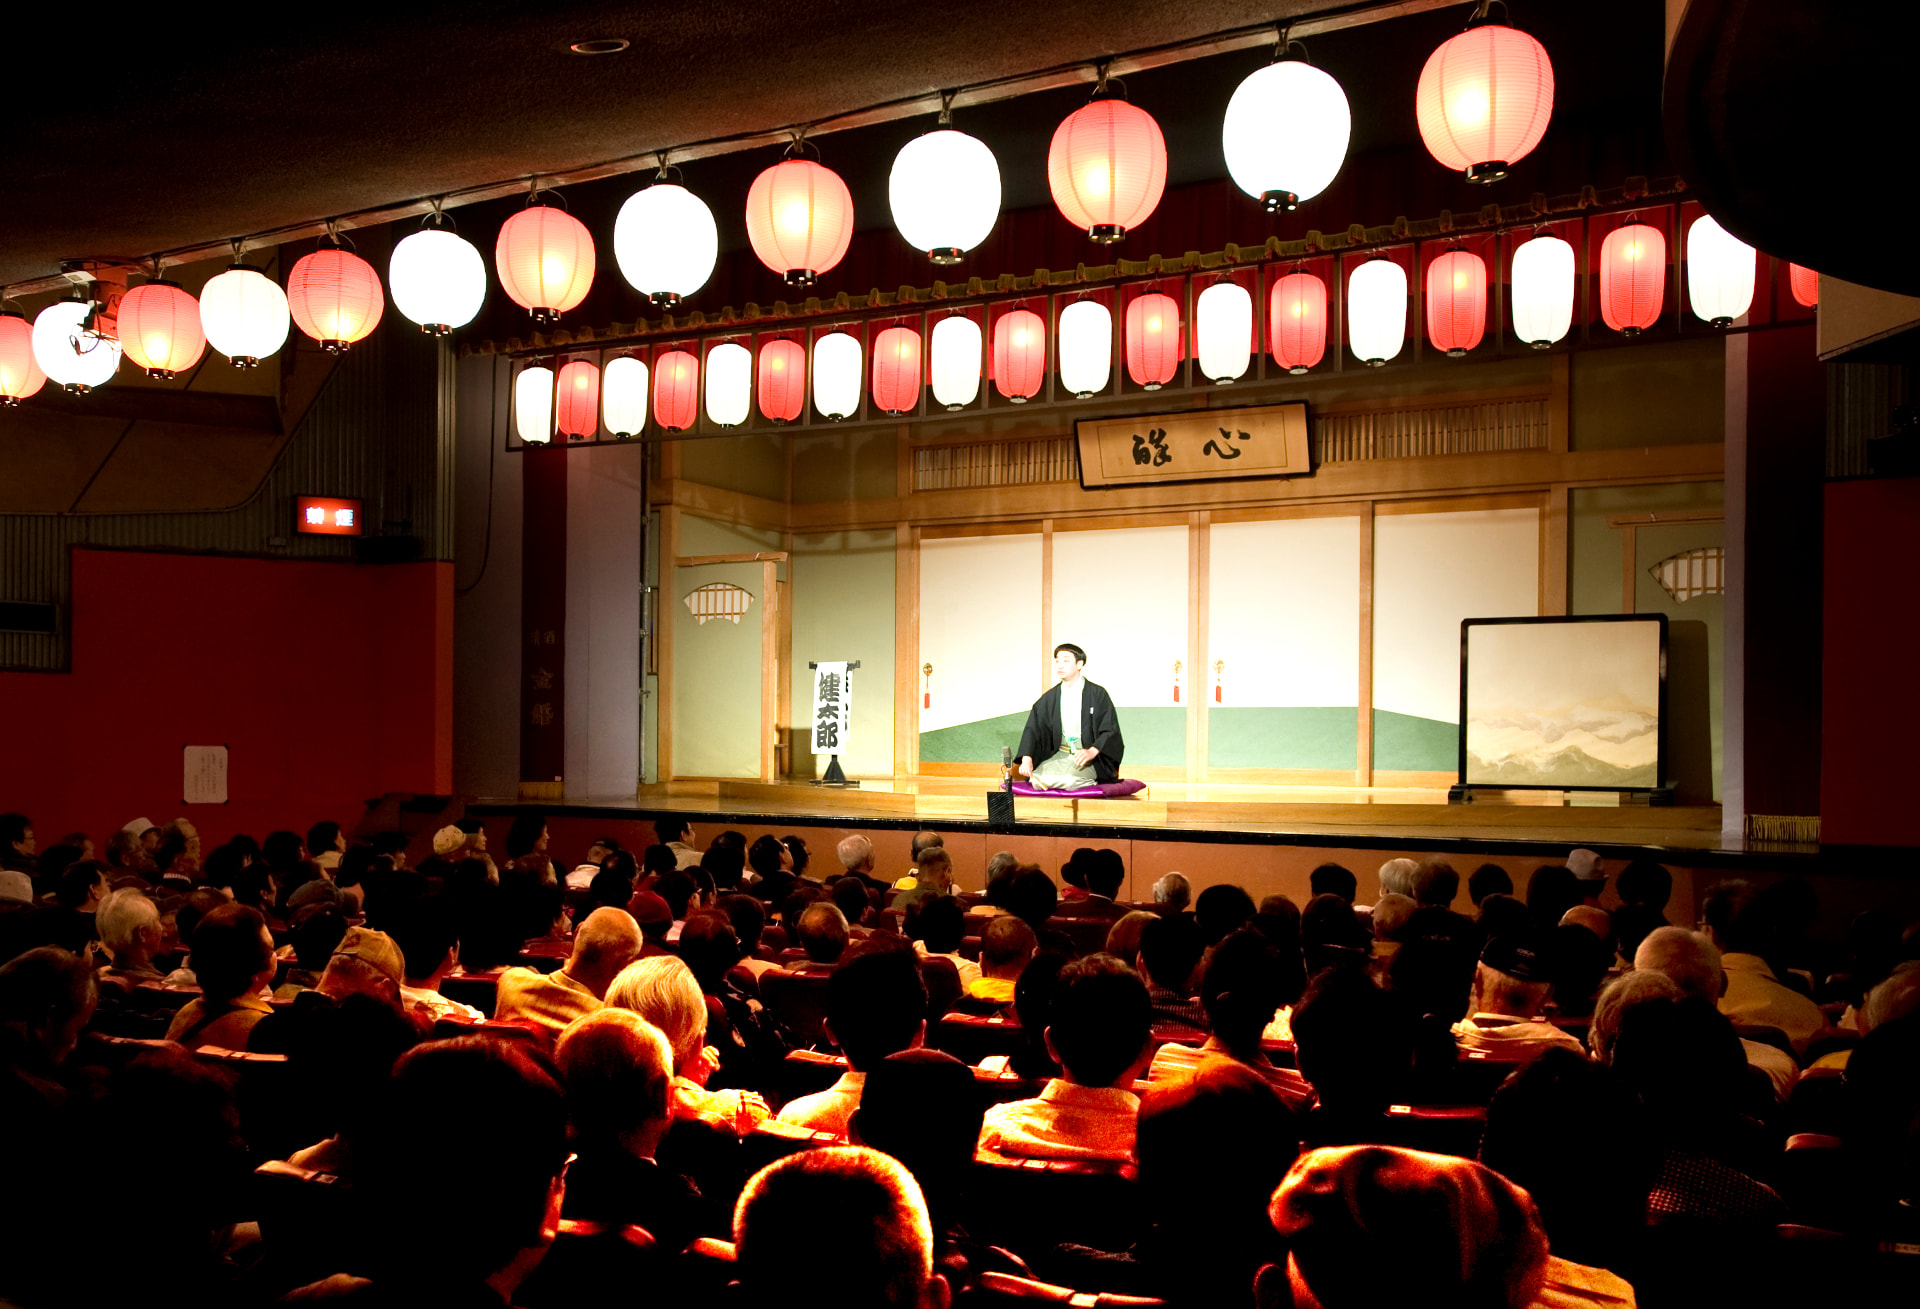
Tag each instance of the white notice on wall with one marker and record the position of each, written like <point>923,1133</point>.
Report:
<point>832,708</point>
<point>206,774</point>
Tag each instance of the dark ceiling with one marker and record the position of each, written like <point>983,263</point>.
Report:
<point>223,124</point>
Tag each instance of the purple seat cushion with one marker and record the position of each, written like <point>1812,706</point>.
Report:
<point>1098,791</point>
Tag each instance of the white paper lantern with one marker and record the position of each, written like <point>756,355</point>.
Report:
<point>956,349</point>
<point>665,242</point>
<point>533,404</point>
<point>1377,310</point>
<point>244,314</point>
<point>68,354</point>
<point>1542,291</point>
<point>1286,133</point>
<point>945,193</point>
<point>437,280</point>
<point>1719,272</point>
<point>837,371</point>
<point>729,384</point>
<point>1223,328</point>
<point>1086,347</point>
<point>623,396</point>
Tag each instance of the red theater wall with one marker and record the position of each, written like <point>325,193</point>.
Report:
<point>329,683</point>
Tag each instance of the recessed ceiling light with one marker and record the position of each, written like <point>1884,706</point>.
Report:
<point>608,46</point>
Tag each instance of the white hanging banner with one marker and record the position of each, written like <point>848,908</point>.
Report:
<point>205,780</point>
<point>832,708</point>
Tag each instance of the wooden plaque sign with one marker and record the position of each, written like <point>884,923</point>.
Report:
<point>1205,445</point>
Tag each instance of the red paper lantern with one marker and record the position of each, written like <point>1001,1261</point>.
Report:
<point>783,380</point>
<point>1019,355</point>
<point>1153,340</point>
<point>20,373</point>
<point>896,369</point>
<point>335,298</point>
<point>676,390</point>
<point>1484,99</point>
<point>1805,284</point>
<point>1633,278</point>
<point>545,260</point>
<point>1297,321</point>
<point>1456,301</point>
<point>1107,168</point>
<point>160,330</point>
<point>799,219</point>
<point>576,404</point>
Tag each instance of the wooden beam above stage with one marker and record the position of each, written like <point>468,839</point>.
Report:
<point>1381,479</point>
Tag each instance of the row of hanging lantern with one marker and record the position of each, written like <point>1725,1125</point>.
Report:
<point>1483,101</point>
<point>958,354</point>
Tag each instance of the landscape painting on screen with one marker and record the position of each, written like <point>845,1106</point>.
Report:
<point>1562,704</point>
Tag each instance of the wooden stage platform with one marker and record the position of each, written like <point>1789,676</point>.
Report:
<point>1372,817</point>
<point>1265,838</point>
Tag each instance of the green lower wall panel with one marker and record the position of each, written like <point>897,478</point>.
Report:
<point>1154,734</point>
<point>1405,741</point>
<point>1290,737</point>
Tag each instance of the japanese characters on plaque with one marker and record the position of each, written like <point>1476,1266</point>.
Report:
<point>1205,445</point>
<point>832,708</point>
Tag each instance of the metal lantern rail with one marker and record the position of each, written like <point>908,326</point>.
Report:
<point>1500,292</point>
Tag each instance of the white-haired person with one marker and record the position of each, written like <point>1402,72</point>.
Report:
<point>663,990</point>
<point>129,925</point>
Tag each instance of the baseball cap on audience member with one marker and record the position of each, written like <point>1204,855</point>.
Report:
<point>141,826</point>
<point>1460,1232</point>
<point>649,910</point>
<point>376,948</point>
<point>448,839</point>
<point>1520,955</point>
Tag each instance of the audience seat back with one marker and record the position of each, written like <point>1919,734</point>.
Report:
<point>1004,1291</point>
<point>1089,935</point>
<point>799,1001</point>
<point>587,1259</point>
<point>943,986</point>
<point>481,990</point>
<point>972,1037</point>
<point>1035,1204</point>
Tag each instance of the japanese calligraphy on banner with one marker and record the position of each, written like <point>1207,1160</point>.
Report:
<point>1206,445</point>
<point>832,708</point>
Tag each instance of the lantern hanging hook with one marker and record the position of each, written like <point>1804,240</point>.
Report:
<point>1483,13</point>
<point>798,148</point>
<point>946,107</point>
<point>667,170</point>
<point>1105,81</point>
<point>239,244</point>
<point>437,214</point>
<point>1284,45</point>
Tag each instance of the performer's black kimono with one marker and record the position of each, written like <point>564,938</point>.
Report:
<point>1099,728</point>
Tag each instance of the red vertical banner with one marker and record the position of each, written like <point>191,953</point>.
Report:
<point>543,621</point>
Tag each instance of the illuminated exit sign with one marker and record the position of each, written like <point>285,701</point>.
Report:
<point>319,515</point>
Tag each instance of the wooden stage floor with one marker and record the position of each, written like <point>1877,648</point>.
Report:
<point>1345,816</point>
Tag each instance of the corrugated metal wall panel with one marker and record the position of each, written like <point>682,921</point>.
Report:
<point>373,434</point>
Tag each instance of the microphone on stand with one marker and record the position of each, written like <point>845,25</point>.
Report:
<point>1006,768</point>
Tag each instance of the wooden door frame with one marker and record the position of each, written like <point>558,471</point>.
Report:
<point>776,639</point>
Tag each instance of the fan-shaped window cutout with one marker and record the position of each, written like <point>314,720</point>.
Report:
<point>1693,573</point>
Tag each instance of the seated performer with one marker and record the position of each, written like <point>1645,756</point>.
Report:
<point>1072,733</point>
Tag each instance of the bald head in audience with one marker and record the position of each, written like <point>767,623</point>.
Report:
<point>1688,959</point>
<point>1390,916</point>
<point>823,931</point>
<point>1006,945</point>
<point>607,941</point>
<point>882,1237</point>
